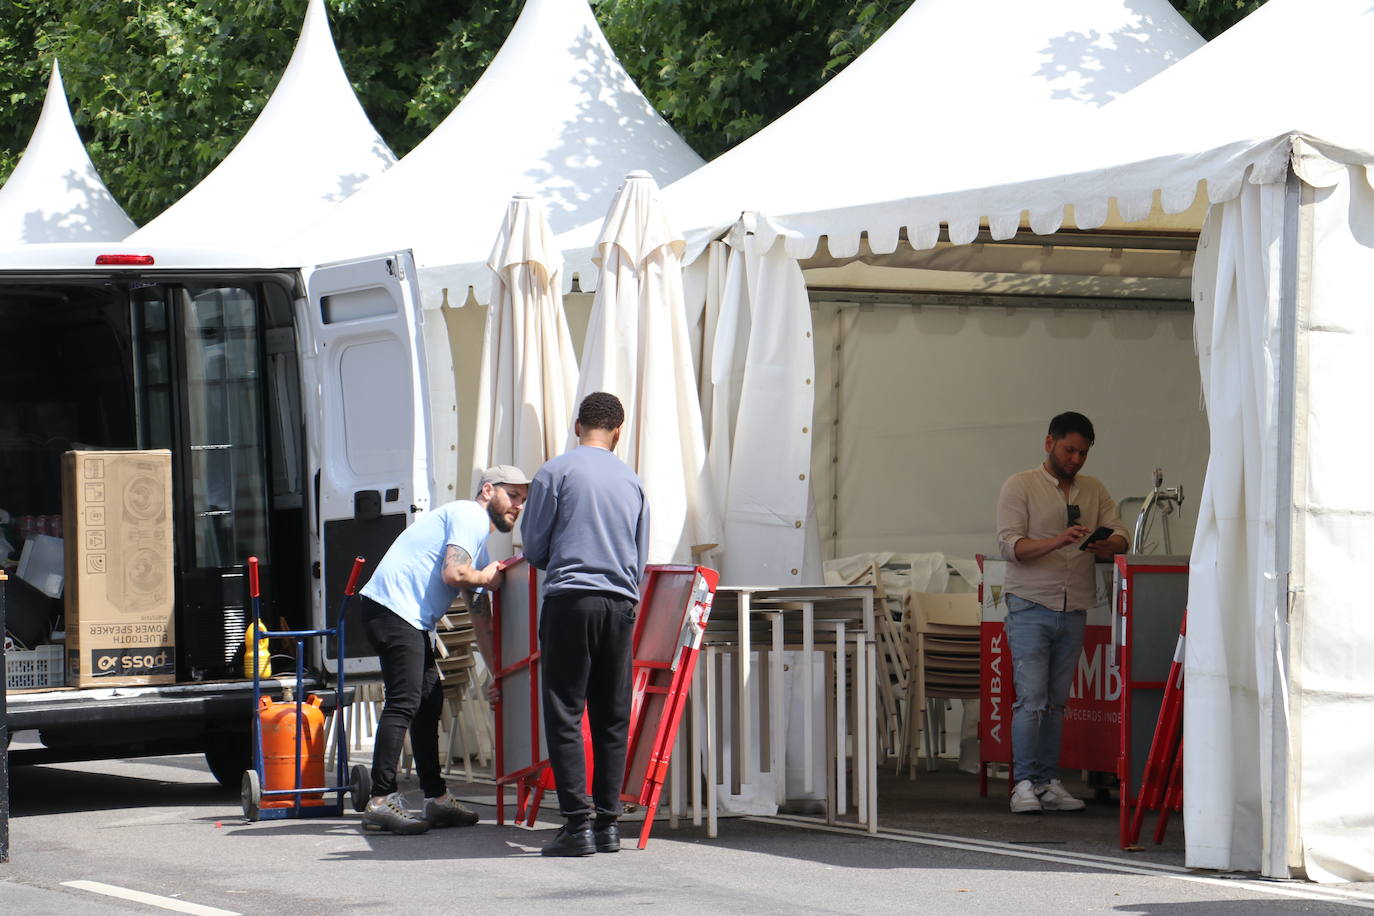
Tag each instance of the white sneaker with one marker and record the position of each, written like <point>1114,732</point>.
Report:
<point>1024,800</point>
<point>1054,797</point>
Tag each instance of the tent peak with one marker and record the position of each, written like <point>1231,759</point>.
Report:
<point>310,147</point>
<point>555,113</point>
<point>54,193</point>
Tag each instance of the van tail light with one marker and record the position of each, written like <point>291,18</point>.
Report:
<point>123,260</point>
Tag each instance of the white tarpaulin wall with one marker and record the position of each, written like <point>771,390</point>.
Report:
<point>1332,636</point>
<point>922,412</point>
<point>55,194</point>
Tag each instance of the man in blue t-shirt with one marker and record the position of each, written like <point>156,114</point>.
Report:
<point>413,586</point>
<point>587,526</point>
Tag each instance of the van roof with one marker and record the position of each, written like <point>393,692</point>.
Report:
<point>82,255</point>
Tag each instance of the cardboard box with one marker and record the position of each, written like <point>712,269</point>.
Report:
<point>120,588</point>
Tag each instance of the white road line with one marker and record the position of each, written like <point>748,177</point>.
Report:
<point>166,903</point>
<point>1105,863</point>
<point>1013,847</point>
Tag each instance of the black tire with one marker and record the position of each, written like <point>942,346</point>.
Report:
<point>360,786</point>
<point>251,794</point>
<point>227,756</point>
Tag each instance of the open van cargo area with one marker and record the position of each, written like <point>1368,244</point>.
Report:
<point>204,366</point>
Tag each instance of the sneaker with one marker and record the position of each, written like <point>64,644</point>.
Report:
<point>1024,800</point>
<point>392,815</point>
<point>448,812</point>
<point>1054,797</point>
<point>571,842</point>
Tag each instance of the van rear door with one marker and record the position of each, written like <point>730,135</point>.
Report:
<point>369,445</point>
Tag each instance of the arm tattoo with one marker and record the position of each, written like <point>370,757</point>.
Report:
<point>455,557</point>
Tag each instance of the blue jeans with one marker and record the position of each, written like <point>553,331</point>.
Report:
<point>1045,645</point>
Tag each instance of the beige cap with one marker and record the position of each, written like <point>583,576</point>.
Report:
<point>502,473</point>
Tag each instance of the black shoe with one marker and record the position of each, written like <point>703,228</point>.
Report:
<point>571,842</point>
<point>607,838</point>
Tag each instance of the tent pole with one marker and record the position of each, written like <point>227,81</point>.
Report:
<point>1282,794</point>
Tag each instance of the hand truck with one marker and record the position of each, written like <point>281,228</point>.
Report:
<point>274,804</point>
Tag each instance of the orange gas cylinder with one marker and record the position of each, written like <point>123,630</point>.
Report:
<point>278,724</point>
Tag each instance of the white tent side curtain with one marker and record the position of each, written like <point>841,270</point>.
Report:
<point>1278,691</point>
<point>1231,622</point>
<point>1332,640</point>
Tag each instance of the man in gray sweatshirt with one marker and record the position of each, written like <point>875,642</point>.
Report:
<point>586,524</point>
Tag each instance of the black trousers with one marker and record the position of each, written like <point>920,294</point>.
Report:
<point>414,700</point>
<point>585,642</point>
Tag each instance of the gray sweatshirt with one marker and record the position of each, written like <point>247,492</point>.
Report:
<point>586,524</point>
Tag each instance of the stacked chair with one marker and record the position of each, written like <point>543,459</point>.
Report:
<point>943,629</point>
<point>465,731</point>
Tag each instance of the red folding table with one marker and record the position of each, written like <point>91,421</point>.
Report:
<point>674,606</point>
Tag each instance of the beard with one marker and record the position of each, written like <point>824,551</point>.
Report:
<point>498,518</point>
<point>1057,469</point>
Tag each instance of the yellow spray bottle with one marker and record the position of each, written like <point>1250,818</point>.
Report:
<point>264,652</point>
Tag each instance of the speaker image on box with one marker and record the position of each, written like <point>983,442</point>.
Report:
<point>138,569</point>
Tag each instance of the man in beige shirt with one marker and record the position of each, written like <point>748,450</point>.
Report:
<point>1044,516</point>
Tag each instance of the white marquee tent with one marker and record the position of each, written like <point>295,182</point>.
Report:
<point>54,194</point>
<point>554,115</point>
<point>1272,119</point>
<point>310,147</point>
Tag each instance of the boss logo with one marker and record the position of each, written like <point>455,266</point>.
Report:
<point>142,662</point>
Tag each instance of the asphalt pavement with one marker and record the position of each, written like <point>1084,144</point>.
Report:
<point>158,835</point>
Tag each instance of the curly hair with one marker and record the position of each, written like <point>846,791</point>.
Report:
<point>600,410</point>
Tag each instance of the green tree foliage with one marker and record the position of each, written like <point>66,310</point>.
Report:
<point>719,70</point>
<point>1212,17</point>
<point>161,90</point>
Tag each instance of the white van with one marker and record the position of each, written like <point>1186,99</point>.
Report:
<point>292,400</point>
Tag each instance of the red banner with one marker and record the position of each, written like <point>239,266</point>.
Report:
<point>1092,719</point>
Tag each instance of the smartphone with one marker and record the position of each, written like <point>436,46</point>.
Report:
<point>1100,534</point>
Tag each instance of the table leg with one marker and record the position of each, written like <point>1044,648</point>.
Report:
<point>675,787</point>
<point>739,760</point>
<point>829,680</point>
<point>863,728</point>
<point>841,722</point>
<point>777,738</point>
<point>711,741</point>
<point>697,712</point>
<point>808,698</point>
<point>873,745</point>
